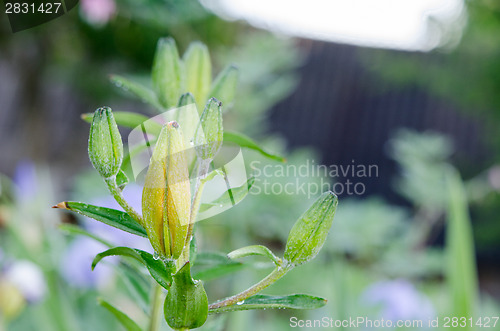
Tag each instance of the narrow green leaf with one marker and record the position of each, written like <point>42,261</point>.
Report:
<point>74,229</point>
<point>198,71</point>
<point>261,301</point>
<point>461,268</point>
<point>156,268</point>
<point>142,92</point>
<point>254,250</point>
<point>130,120</point>
<point>237,194</point>
<point>224,86</point>
<point>126,321</point>
<point>113,217</point>
<point>211,265</point>
<point>247,142</point>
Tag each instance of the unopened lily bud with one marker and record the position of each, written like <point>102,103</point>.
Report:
<point>208,137</point>
<point>224,86</point>
<point>198,71</point>
<point>185,100</point>
<point>166,198</point>
<point>309,233</point>
<point>105,143</point>
<point>186,304</point>
<point>166,72</point>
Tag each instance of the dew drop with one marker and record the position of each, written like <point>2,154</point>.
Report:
<point>239,303</point>
<point>156,256</point>
<point>220,205</point>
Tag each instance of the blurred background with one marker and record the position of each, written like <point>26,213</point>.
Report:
<point>411,88</point>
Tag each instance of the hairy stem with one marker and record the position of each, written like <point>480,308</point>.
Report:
<point>156,308</point>
<point>117,194</point>
<point>276,274</point>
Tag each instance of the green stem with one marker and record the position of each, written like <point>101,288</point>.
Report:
<point>156,308</point>
<point>183,258</point>
<point>198,191</point>
<point>276,274</point>
<point>117,194</point>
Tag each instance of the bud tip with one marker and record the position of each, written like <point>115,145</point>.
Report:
<point>173,124</point>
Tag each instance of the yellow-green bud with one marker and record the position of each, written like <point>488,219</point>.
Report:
<point>309,233</point>
<point>198,71</point>
<point>105,143</point>
<point>166,197</point>
<point>208,137</point>
<point>166,72</point>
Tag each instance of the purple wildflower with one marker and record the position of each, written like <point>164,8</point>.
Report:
<point>399,300</point>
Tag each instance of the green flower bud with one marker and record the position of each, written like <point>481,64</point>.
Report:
<point>105,143</point>
<point>166,72</point>
<point>208,137</point>
<point>224,86</point>
<point>185,100</point>
<point>198,71</point>
<point>166,197</point>
<point>186,304</point>
<point>309,233</point>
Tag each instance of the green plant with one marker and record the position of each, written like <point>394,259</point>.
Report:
<point>173,189</point>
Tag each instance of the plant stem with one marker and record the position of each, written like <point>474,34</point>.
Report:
<point>198,191</point>
<point>276,274</point>
<point>155,308</point>
<point>117,194</point>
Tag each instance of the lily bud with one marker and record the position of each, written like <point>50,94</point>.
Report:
<point>166,72</point>
<point>224,86</point>
<point>208,137</point>
<point>186,304</point>
<point>105,143</point>
<point>309,233</point>
<point>198,69</point>
<point>166,198</point>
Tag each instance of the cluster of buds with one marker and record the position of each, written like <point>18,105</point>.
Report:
<point>169,207</point>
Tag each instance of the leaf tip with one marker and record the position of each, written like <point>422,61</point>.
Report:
<point>61,205</point>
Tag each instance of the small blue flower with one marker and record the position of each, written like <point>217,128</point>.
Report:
<point>398,300</point>
<point>77,261</point>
